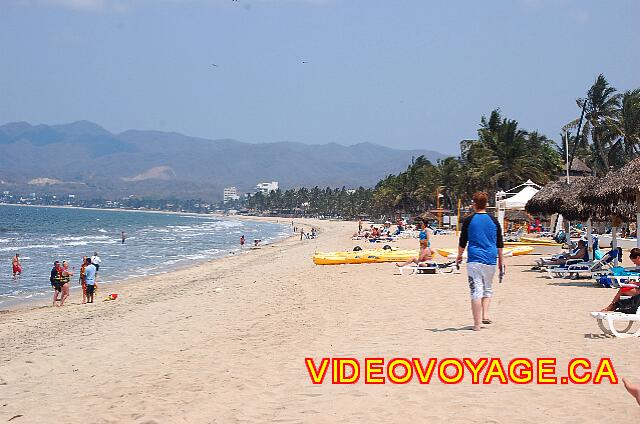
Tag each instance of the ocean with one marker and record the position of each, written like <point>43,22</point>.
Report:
<point>155,243</point>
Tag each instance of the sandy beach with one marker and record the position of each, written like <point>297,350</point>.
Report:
<point>225,342</point>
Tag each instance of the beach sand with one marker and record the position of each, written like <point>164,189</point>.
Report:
<point>225,342</point>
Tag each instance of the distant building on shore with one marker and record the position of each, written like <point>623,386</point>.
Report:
<point>265,188</point>
<point>230,194</point>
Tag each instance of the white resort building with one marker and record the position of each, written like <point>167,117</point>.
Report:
<point>265,188</point>
<point>230,194</point>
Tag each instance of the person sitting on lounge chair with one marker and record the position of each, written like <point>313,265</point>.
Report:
<point>425,255</point>
<point>616,304</point>
<point>580,252</point>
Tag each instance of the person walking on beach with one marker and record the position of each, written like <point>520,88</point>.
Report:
<point>96,261</point>
<point>242,241</point>
<point>65,278</point>
<point>83,281</point>
<point>55,279</point>
<point>16,265</point>
<point>90,279</point>
<point>301,233</point>
<point>483,235</point>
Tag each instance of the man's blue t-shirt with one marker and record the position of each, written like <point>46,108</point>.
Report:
<point>482,233</point>
<point>90,274</point>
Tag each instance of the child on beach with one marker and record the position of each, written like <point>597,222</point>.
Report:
<point>83,280</point>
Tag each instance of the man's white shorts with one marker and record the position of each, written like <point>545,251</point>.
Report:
<point>480,279</point>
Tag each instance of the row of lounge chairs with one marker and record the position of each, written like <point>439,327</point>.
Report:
<point>603,272</point>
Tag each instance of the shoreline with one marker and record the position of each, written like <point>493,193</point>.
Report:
<point>44,302</point>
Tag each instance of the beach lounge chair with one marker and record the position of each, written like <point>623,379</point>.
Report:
<point>617,277</point>
<point>610,318</point>
<point>592,268</point>
<point>427,268</point>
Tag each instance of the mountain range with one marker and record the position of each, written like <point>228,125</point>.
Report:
<point>86,159</point>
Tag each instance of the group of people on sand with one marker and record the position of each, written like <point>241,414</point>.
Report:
<point>375,232</point>
<point>60,279</point>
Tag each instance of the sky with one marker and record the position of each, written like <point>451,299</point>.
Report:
<point>410,74</point>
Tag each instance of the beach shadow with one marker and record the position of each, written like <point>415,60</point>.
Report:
<point>578,283</point>
<point>594,336</point>
<point>441,330</point>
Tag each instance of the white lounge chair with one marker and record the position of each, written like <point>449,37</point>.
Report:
<point>611,317</point>
<point>426,268</point>
<point>592,268</point>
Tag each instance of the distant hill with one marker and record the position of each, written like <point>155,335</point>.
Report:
<point>83,156</point>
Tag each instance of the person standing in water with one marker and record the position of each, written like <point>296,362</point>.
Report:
<point>124,236</point>
<point>96,261</point>
<point>16,265</point>
<point>242,241</point>
<point>483,235</point>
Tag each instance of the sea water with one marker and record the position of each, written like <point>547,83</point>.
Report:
<point>155,243</point>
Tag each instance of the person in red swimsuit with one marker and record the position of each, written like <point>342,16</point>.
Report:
<point>17,266</point>
<point>634,255</point>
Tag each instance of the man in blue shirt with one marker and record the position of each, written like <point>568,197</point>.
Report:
<point>90,278</point>
<point>483,235</point>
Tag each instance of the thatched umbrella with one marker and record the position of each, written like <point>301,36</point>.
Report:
<point>548,199</point>
<point>516,215</point>
<point>564,199</point>
<point>618,193</point>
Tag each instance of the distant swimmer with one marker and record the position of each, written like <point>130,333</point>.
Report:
<point>241,241</point>
<point>17,266</point>
<point>124,237</point>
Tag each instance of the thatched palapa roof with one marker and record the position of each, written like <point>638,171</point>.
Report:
<point>518,216</point>
<point>560,197</point>
<point>617,186</point>
<point>548,200</point>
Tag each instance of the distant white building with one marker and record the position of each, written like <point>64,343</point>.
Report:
<point>230,194</point>
<point>265,188</point>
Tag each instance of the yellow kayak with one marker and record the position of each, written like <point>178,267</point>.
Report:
<point>524,243</point>
<point>340,258</point>
<point>378,252</point>
<point>509,251</point>
<point>538,240</point>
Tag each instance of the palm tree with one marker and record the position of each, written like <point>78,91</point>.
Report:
<point>602,105</point>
